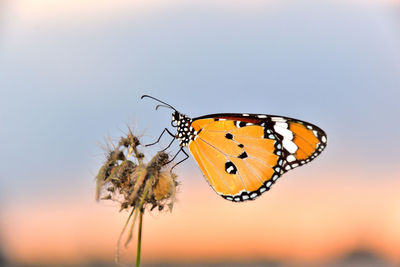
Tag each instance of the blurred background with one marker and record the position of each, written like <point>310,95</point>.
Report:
<point>72,73</point>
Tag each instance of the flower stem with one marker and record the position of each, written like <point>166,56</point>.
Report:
<point>120,236</point>
<point>139,244</point>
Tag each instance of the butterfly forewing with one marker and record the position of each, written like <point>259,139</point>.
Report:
<point>242,155</point>
<point>237,161</point>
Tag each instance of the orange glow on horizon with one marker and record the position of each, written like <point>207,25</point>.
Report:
<point>301,219</point>
<point>45,11</point>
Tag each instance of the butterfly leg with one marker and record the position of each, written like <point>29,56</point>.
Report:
<point>170,143</point>
<point>184,152</point>
<point>158,140</point>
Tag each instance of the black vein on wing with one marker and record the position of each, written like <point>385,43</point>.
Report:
<point>255,147</point>
<point>227,157</point>
<point>254,172</point>
<point>203,158</point>
<point>202,161</point>
<point>262,162</point>
<point>246,145</point>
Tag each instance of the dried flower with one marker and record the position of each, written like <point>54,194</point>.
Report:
<point>137,186</point>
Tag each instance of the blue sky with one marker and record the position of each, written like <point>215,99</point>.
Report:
<point>67,80</point>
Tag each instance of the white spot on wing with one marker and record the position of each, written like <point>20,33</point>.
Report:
<point>290,158</point>
<point>323,139</point>
<point>280,119</point>
<point>289,146</point>
<point>262,116</point>
<point>281,124</point>
<point>287,134</point>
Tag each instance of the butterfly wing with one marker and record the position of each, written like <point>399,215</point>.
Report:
<point>242,155</point>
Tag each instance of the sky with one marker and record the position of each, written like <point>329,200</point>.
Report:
<point>72,73</point>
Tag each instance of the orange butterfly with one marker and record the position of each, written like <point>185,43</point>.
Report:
<point>242,155</point>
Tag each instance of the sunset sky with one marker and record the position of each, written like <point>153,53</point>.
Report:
<point>72,73</point>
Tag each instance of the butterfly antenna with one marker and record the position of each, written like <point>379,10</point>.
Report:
<point>164,104</point>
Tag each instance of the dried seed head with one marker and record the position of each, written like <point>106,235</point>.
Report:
<point>124,205</point>
<point>115,155</point>
<point>130,140</point>
<point>164,186</point>
<point>123,171</point>
<point>125,178</point>
<point>155,165</point>
<point>136,185</point>
<point>124,142</point>
<point>106,197</point>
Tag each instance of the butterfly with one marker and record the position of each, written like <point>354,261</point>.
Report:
<point>243,155</point>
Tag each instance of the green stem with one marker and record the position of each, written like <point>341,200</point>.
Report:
<point>139,244</point>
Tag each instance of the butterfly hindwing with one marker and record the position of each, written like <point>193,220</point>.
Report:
<point>242,155</point>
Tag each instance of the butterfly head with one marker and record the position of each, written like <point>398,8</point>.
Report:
<point>175,118</point>
<point>185,132</point>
